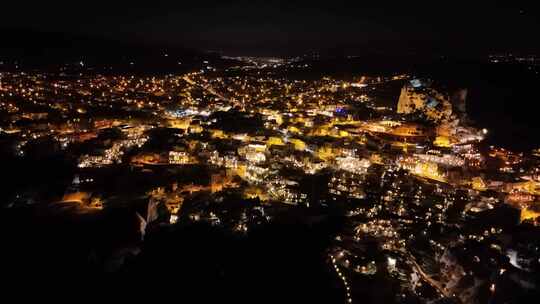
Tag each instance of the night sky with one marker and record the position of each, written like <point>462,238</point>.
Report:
<point>287,27</point>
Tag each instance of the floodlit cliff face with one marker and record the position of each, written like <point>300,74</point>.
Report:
<point>459,101</point>
<point>435,105</point>
<point>408,101</point>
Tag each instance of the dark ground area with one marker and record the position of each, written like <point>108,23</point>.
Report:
<point>57,246</point>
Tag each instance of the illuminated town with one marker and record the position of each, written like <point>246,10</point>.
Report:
<point>428,210</point>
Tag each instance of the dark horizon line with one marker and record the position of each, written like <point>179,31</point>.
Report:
<point>340,50</point>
